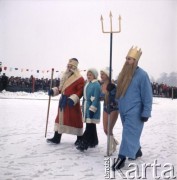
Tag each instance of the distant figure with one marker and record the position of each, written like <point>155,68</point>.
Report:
<point>32,83</point>
<point>4,81</point>
<point>134,94</point>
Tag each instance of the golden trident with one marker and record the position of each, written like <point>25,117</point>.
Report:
<point>111,31</point>
<point>110,72</point>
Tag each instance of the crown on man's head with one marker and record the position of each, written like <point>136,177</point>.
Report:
<point>134,52</point>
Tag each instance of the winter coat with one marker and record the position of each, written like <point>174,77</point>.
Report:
<point>91,101</point>
<point>69,119</point>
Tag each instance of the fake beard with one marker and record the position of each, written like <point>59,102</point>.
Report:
<point>65,76</point>
<point>125,78</point>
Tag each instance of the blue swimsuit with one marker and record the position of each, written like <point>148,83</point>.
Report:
<point>113,102</point>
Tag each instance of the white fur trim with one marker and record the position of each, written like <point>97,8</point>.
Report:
<point>94,80</point>
<point>85,87</point>
<point>56,127</point>
<point>68,129</point>
<point>93,108</point>
<point>69,80</point>
<point>92,98</point>
<point>75,98</point>
<point>94,121</point>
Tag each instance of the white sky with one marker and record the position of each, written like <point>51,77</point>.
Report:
<point>42,34</point>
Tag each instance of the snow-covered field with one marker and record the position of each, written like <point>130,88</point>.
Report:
<point>25,155</point>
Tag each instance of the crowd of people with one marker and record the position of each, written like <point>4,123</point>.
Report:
<point>32,84</point>
<point>163,90</point>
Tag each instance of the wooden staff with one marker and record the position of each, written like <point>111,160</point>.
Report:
<point>49,102</point>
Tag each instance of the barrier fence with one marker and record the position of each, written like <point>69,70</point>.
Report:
<point>14,84</point>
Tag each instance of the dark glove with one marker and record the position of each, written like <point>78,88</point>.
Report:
<point>110,87</point>
<point>50,92</point>
<point>91,114</point>
<point>144,119</point>
<point>102,96</point>
<point>70,102</point>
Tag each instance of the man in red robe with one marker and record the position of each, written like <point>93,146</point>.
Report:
<point>69,117</point>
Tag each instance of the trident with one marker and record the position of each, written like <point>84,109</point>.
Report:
<point>110,70</point>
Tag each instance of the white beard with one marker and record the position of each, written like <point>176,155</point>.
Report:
<point>65,76</point>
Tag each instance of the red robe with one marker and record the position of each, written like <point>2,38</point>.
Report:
<point>69,119</point>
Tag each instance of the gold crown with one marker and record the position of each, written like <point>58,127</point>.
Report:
<point>134,53</point>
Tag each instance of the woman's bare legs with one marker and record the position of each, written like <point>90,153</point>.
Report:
<point>113,119</point>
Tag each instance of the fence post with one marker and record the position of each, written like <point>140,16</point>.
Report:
<point>33,84</point>
<point>172,94</point>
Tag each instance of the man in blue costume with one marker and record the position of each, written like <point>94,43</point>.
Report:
<point>134,94</point>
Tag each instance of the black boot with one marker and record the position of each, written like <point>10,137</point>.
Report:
<point>94,137</point>
<point>83,145</point>
<point>56,139</point>
<point>78,140</point>
<point>95,143</point>
<point>138,154</point>
<point>120,163</point>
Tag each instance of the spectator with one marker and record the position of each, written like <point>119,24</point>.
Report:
<point>4,81</point>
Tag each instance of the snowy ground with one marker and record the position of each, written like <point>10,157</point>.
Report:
<point>25,155</point>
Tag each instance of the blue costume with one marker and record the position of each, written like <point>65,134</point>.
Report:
<point>113,101</point>
<point>136,103</point>
<point>91,113</point>
<point>91,101</point>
